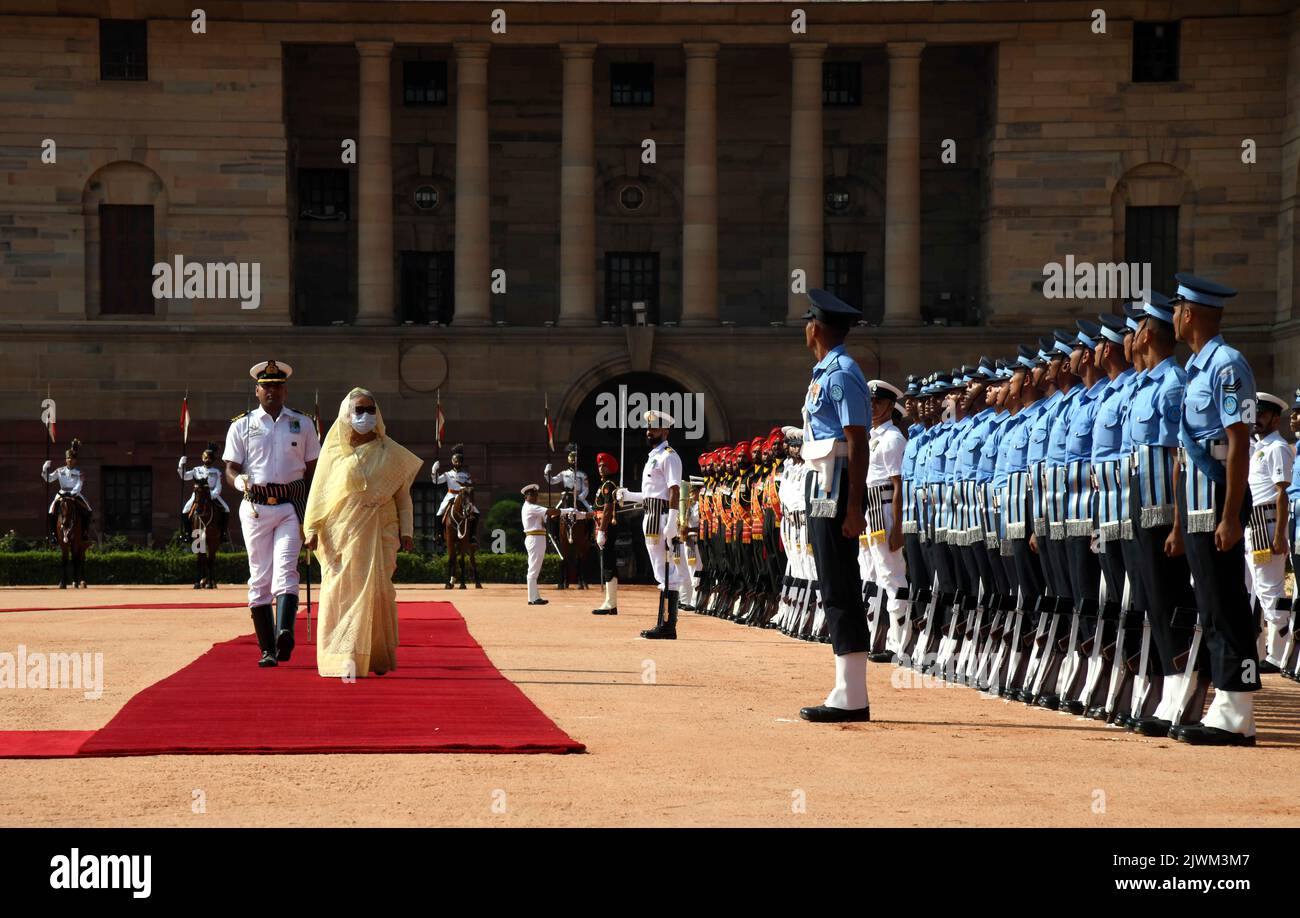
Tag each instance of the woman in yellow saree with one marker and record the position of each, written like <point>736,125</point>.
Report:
<point>358,513</point>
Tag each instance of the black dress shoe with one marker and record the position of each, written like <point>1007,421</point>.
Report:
<point>1153,726</point>
<point>613,611</point>
<point>1095,713</point>
<point>539,602</point>
<point>1073,707</point>
<point>1268,669</point>
<point>824,714</point>
<point>1050,701</point>
<point>884,656</point>
<point>660,634</point>
<point>1201,735</point>
<point>268,659</point>
<point>686,607</point>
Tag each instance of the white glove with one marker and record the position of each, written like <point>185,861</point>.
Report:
<point>180,466</point>
<point>433,472</point>
<point>623,495</point>
<point>670,526</point>
<point>241,483</point>
<point>600,539</point>
<point>547,471</point>
<point>46,466</point>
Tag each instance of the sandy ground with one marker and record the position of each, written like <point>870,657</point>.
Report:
<point>703,731</point>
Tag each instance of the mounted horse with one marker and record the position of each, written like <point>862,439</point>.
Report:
<point>205,535</point>
<point>458,532</point>
<point>71,537</point>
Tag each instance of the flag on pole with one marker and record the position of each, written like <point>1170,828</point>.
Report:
<point>185,419</point>
<point>550,428</point>
<point>439,421</point>
<point>48,415</point>
<point>320,434</point>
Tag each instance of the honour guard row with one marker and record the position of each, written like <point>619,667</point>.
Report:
<point>1086,526</point>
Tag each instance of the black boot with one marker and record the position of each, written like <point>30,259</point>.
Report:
<point>286,610</point>
<point>667,630</point>
<point>264,626</point>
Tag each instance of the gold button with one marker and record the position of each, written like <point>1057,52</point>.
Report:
<point>272,500</point>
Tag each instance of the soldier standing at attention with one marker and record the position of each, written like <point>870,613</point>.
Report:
<point>836,419</point>
<point>1213,504</point>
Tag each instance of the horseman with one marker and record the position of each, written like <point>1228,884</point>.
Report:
<point>211,473</point>
<point>71,483</point>
<point>456,479</point>
<point>573,480</point>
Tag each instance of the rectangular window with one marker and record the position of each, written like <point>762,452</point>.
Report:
<point>842,83</point>
<point>843,276</point>
<point>424,82</point>
<point>123,49</point>
<point>1151,235</point>
<point>632,84</point>
<point>424,500</point>
<point>631,278</point>
<point>323,194</point>
<point>428,292</point>
<point>1155,52</point>
<point>126,260</point>
<point>128,499</point>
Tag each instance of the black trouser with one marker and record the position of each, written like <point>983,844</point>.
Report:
<point>1111,559</point>
<point>838,578</point>
<point>1060,562</point>
<point>1047,567</point>
<point>609,555</point>
<point>920,575</point>
<point>987,574</point>
<point>1166,585</point>
<point>968,575</point>
<point>1085,579</point>
<point>1225,606</point>
<point>942,561</point>
<point>1029,573</point>
<point>1010,577</point>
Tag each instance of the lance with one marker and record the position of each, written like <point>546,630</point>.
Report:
<point>309,596</point>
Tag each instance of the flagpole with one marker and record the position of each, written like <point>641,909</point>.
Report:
<point>622,430</point>
<point>185,431</point>
<point>48,439</point>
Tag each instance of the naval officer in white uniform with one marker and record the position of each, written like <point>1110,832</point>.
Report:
<point>270,455</point>
<point>661,481</point>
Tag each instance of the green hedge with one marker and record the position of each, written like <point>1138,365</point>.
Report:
<point>29,568</point>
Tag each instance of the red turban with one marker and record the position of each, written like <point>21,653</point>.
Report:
<point>610,462</point>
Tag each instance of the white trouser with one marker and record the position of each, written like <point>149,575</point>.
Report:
<point>888,571</point>
<point>685,574</point>
<point>1267,581</point>
<point>79,498</point>
<point>536,545</point>
<point>657,549</point>
<point>273,539</point>
<point>190,503</point>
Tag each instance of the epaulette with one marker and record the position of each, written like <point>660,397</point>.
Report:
<point>668,449</point>
<point>240,415</point>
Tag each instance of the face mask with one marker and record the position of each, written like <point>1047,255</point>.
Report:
<point>364,423</point>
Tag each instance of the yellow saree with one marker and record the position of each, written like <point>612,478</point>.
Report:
<point>359,507</point>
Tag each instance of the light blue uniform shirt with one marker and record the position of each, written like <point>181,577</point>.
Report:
<point>1040,433</point>
<point>837,396</point>
<point>1060,421</point>
<point>1108,426</point>
<point>1156,405</point>
<point>1220,391</point>
<point>1078,442</point>
<point>992,446</point>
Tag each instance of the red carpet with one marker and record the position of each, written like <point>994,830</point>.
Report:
<point>133,605</point>
<point>445,696</point>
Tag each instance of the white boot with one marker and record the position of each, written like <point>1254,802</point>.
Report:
<point>1232,711</point>
<point>1170,697</point>
<point>611,594</point>
<point>850,692</point>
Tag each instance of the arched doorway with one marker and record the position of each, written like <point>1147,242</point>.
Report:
<point>595,430</point>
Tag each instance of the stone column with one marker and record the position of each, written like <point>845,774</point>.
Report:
<point>903,186</point>
<point>700,217</point>
<point>472,214</point>
<point>577,189</point>
<point>375,187</point>
<point>806,188</point>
